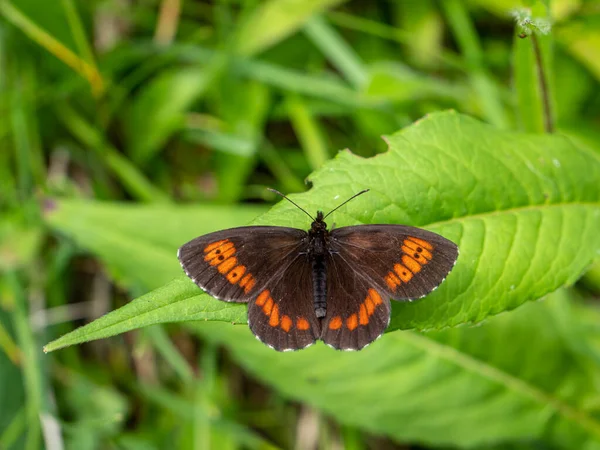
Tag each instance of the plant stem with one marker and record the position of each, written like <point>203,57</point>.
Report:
<point>548,122</point>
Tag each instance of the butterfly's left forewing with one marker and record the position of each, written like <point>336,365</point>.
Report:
<point>404,262</point>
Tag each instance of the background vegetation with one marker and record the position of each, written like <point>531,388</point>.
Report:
<point>129,127</point>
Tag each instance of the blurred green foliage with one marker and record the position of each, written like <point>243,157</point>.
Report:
<point>130,127</point>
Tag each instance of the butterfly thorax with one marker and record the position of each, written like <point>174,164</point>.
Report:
<point>317,248</point>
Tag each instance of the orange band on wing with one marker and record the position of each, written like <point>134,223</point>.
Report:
<point>227,265</point>
<point>352,322</point>
<point>403,272</point>
<point>392,281</point>
<point>375,297</point>
<point>268,306</point>
<point>247,283</point>
<point>215,245</point>
<point>262,297</point>
<point>286,323</point>
<point>421,242</point>
<point>412,265</point>
<point>235,275</point>
<point>274,320</point>
<point>363,316</point>
<point>335,323</point>
<point>220,254</point>
<point>413,248</point>
<point>302,324</point>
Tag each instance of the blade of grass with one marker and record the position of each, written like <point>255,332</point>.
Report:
<point>160,340</point>
<point>78,32</point>
<point>30,363</point>
<point>279,168</point>
<point>45,40</point>
<point>308,132</point>
<point>328,86</point>
<point>8,345</point>
<point>383,31</point>
<point>337,51</point>
<point>186,410</point>
<point>273,20</point>
<point>466,36</point>
<point>168,21</point>
<point>15,428</point>
<point>203,394</point>
<point>133,180</point>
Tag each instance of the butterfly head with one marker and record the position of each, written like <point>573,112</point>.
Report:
<point>318,225</point>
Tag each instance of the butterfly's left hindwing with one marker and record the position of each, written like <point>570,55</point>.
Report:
<point>234,265</point>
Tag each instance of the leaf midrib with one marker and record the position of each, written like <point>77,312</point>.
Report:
<point>492,373</point>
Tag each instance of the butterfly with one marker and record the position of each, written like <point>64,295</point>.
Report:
<point>330,285</point>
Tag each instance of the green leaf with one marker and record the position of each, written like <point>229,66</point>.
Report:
<point>461,387</point>
<point>274,20</point>
<point>518,206</point>
<point>139,243</point>
<point>159,109</point>
<point>524,210</point>
<point>177,301</point>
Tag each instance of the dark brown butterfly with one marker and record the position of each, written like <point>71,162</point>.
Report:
<point>329,285</point>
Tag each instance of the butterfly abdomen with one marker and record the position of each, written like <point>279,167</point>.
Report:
<point>319,273</point>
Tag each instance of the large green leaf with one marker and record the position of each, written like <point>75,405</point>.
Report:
<point>513,378</point>
<point>524,210</point>
<point>139,243</point>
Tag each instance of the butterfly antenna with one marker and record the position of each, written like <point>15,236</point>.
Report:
<point>293,203</point>
<point>351,198</point>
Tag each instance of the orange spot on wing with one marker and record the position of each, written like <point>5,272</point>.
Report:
<point>220,254</point>
<point>236,274</point>
<point>274,320</point>
<point>268,306</point>
<point>262,297</point>
<point>375,297</point>
<point>302,324</point>
<point>411,247</point>
<point>227,265</point>
<point>286,323</point>
<point>335,323</point>
<point>363,317</point>
<point>370,305</point>
<point>417,256</point>
<point>247,282</point>
<point>352,322</point>
<point>413,265</point>
<point>403,272</point>
<point>392,281</point>
<point>215,245</point>
<point>421,242</point>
